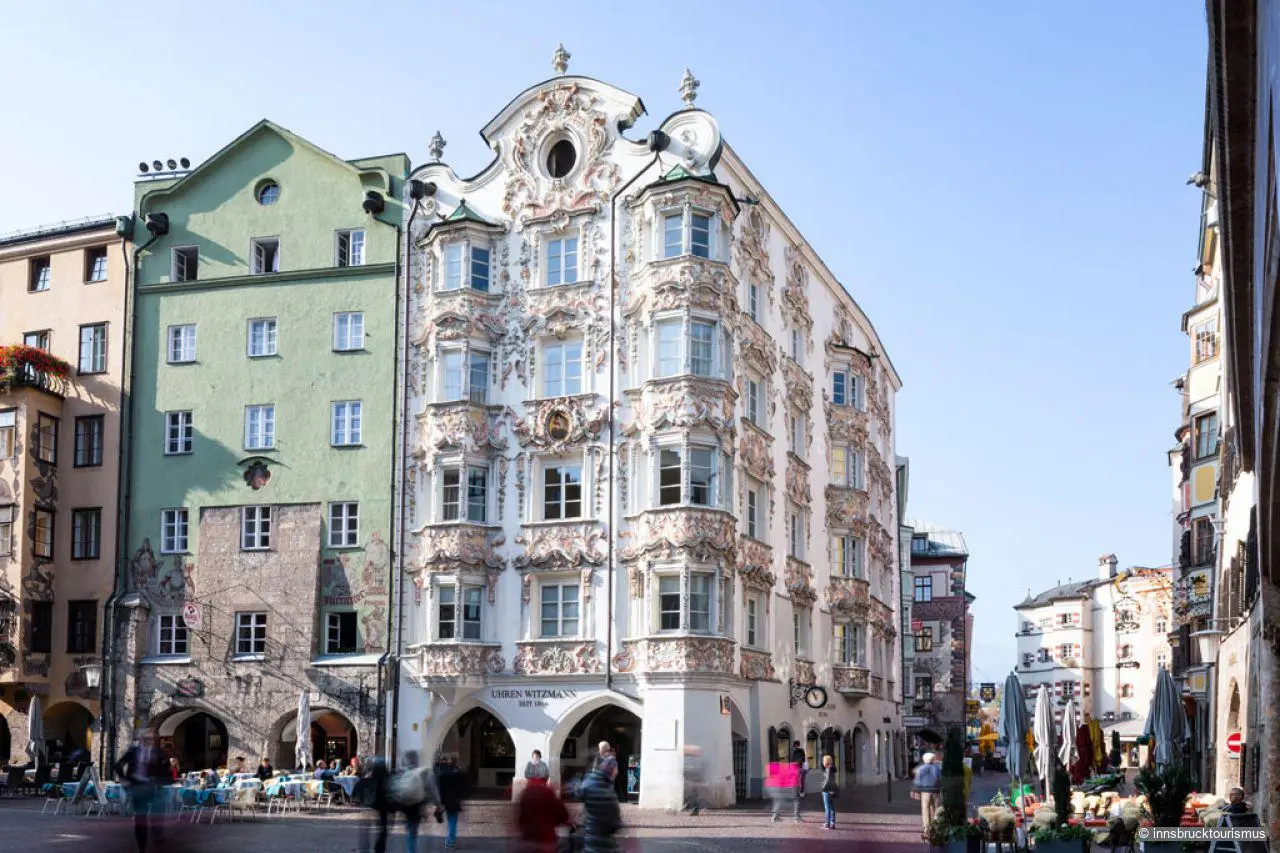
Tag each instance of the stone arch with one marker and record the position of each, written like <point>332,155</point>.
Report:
<point>188,734</point>
<point>67,725</point>
<point>578,712</point>
<point>861,757</point>
<point>737,721</point>
<point>327,724</point>
<point>433,738</point>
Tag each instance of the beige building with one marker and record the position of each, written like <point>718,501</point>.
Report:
<point>62,312</point>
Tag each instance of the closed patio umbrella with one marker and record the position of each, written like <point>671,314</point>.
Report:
<point>35,731</point>
<point>1042,728</point>
<point>302,749</point>
<point>1013,726</point>
<point>1167,719</point>
<point>1067,753</point>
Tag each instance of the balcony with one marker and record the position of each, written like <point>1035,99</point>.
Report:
<point>555,657</point>
<point>701,532</point>
<point>682,402</point>
<point>686,281</point>
<point>684,654</point>
<point>757,666</point>
<point>460,315</point>
<point>754,450</point>
<point>848,597</point>
<point>847,509</point>
<point>449,660</point>
<point>852,681</point>
<point>30,367</point>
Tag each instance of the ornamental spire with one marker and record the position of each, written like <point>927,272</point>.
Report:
<point>437,147</point>
<point>689,88</point>
<point>560,59</point>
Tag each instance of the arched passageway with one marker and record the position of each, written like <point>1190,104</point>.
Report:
<point>483,749</point>
<point>196,738</point>
<point>618,727</point>
<point>67,728</point>
<point>333,738</point>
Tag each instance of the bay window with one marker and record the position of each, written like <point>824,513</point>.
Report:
<point>691,474</point>
<point>458,613</point>
<point>687,601</point>
<point>846,388</point>
<point>464,375</point>
<point>846,467</point>
<point>688,345</point>
<point>561,492</point>
<point>687,232</point>
<point>466,265</point>
<point>476,506</point>
<point>848,645</point>
<point>700,584</point>
<point>846,556</point>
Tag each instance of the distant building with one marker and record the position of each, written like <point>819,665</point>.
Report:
<point>62,293</point>
<point>940,626</point>
<point>1098,644</point>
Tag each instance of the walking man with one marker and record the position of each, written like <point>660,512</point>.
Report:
<point>141,770</point>
<point>602,817</point>
<point>926,786</point>
<point>801,763</point>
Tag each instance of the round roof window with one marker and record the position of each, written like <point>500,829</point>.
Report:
<point>561,159</point>
<point>268,193</point>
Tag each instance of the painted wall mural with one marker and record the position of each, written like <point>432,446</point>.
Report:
<point>363,587</point>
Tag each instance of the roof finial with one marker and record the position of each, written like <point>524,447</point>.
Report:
<point>560,59</point>
<point>689,88</point>
<point>437,147</point>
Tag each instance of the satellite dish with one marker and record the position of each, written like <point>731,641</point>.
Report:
<point>157,165</point>
<point>172,165</point>
<point>142,167</point>
<point>184,163</point>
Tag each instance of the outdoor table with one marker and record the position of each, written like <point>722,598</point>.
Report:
<point>210,796</point>
<point>288,789</point>
<point>348,784</point>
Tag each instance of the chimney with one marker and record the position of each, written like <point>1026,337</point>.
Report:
<point>1107,566</point>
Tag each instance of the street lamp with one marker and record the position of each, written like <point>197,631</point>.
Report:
<point>1207,642</point>
<point>92,675</point>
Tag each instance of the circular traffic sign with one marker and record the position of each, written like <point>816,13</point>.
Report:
<point>1233,743</point>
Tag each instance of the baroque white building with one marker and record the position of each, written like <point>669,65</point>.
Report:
<point>648,488</point>
<point>1098,644</point>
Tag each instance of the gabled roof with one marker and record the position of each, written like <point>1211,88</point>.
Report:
<point>1078,589</point>
<point>265,124</point>
<point>464,213</point>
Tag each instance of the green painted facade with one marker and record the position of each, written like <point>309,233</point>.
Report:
<point>215,209</point>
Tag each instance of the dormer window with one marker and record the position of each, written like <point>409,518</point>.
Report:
<point>466,264</point>
<point>686,233</point>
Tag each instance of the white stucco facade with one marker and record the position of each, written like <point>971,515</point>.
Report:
<point>630,383</point>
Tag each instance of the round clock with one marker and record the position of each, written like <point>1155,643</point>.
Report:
<point>815,697</point>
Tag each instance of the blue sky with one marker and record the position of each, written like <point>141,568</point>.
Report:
<point>999,184</point>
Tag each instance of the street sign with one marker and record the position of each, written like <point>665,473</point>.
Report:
<point>915,722</point>
<point>1233,745</point>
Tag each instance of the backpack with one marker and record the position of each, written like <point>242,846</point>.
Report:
<point>407,788</point>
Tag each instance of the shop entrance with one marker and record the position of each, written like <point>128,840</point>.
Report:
<point>621,730</point>
<point>198,740</point>
<point>483,750</point>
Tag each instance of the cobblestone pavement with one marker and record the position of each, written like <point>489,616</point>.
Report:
<point>484,829</point>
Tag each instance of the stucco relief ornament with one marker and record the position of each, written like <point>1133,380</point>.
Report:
<point>703,533</point>
<point>753,451</point>
<point>795,296</point>
<point>556,423</point>
<point>756,665</point>
<point>436,149</point>
<point>797,477</point>
<point>561,546</point>
<point>257,475</point>
<point>624,661</point>
<point>751,250</point>
<point>683,403</point>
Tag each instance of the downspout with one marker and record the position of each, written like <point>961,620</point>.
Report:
<point>657,144</point>
<point>124,496</point>
<point>397,543</point>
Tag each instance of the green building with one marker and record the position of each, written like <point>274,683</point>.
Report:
<point>256,554</point>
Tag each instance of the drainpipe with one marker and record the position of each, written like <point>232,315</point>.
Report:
<point>124,494</point>
<point>658,142</point>
<point>398,536</point>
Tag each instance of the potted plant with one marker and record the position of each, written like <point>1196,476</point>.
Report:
<point>964,838</point>
<point>937,834</point>
<point>1062,839</point>
<point>1166,790</point>
<point>18,360</point>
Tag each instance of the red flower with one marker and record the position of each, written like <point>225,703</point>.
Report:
<point>19,355</point>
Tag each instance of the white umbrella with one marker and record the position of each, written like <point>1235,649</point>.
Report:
<point>1068,753</point>
<point>1042,729</point>
<point>302,749</point>
<point>1013,726</point>
<point>1167,719</point>
<point>35,731</point>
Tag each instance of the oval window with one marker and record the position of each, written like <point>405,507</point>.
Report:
<point>268,193</point>
<point>561,158</point>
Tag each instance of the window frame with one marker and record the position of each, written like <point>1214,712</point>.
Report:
<point>249,625</point>
<point>849,644</point>
<point>176,334</point>
<point>47,428</point>
<point>343,337</point>
<point>180,259</point>
<point>346,423</point>
<point>180,542</point>
<point>684,578</point>
<point>847,467</point>
<point>462,591</point>
<point>270,338</point>
<point>330,647</point>
<point>1205,341</point>
<point>40,274</point>
<point>922,584</point>
<point>565,363</point>
<point>754,622</point>
<point>719,486</point>
<point>849,563</point>
<point>576,254</point>
<point>467,373</point>
<point>349,234</point>
<point>465,470</point>
<point>97,350</point>
<point>9,433</point>
<point>256,523</point>
<point>796,533</point>
<point>82,632</point>
<point>927,694</point>
<point>923,640</point>
<point>8,520</point>
<point>1199,433</point>
<point>178,633</point>
<point>751,298</point>
<point>345,535</point>
<point>563,486</point>
<point>267,411</point>
<point>466,266</point>
<point>797,440</point>
<point>44,546</point>
<point>92,255</point>
<point>753,401</point>
<point>83,451</point>
<point>717,359</point>
<point>686,214</point>
<point>751,510</point>
<point>90,547</point>
<point>185,441</point>
<point>259,247</point>
<point>561,585</point>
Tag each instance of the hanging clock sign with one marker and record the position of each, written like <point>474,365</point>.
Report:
<point>815,697</point>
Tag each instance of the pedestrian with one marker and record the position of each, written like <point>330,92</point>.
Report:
<point>536,768</point>
<point>413,787</point>
<point>801,762</point>
<point>830,790</point>
<point>925,787</point>
<point>1237,804</point>
<point>265,770</point>
<point>452,783</point>
<point>141,770</point>
<point>693,779</point>
<point>539,813</point>
<point>602,816</point>
<point>175,772</point>
<point>780,785</point>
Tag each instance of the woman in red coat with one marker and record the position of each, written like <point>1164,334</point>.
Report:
<point>539,813</point>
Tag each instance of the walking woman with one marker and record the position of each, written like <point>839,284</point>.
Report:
<point>830,790</point>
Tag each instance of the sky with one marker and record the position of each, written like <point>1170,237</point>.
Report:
<point>1000,185</point>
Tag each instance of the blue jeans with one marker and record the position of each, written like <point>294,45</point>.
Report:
<point>451,821</point>
<point>829,806</point>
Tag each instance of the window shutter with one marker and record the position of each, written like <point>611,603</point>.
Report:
<point>1057,688</point>
<point>1086,690</point>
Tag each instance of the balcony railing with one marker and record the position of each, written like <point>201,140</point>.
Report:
<point>31,367</point>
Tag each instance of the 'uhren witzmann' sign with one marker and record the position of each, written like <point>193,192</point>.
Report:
<point>532,698</point>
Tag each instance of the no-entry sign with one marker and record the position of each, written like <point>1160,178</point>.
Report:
<point>1233,744</point>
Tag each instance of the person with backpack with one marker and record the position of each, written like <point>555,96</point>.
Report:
<point>602,817</point>
<point>452,785</point>
<point>413,787</point>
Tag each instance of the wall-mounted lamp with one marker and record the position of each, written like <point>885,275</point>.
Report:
<point>92,675</point>
<point>751,200</point>
<point>158,224</point>
<point>374,203</point>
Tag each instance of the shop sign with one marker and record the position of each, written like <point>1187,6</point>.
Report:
<point>531,697</point>
<point>188,688</point>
